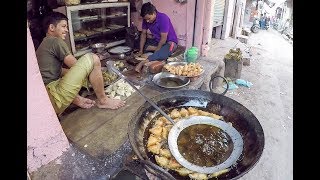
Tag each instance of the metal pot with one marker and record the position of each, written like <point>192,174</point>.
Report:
<point>120,50</point>
<point>98,47</point>
<point>241,118</point>
<point>122,56</point>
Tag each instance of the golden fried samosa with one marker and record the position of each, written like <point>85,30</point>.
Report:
<point>162,161</point>
<point>165,152</point>
<point>156,130</point>
<point>198,176</point>
<point>152,140</point>
<point>154,148</point>
<point>183,171</point>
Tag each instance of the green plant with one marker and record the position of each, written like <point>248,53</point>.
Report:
<point>234,55</point>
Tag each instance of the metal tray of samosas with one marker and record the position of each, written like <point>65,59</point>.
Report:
<point>177,63</point>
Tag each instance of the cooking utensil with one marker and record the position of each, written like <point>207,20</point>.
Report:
<point>177,63</point>
<point>120,50</point>
<point>183,123</point>
<point>98,47</point>
<point>122,56</point>
<point>106,83</point>
<point>110,65</point>
<point>170,81</point>
<point>233,112</point>
<point>231,131</point>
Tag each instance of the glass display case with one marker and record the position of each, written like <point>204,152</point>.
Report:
<point>96,23</point>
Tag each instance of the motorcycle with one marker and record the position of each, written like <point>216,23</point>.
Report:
<point>267,25</point>
<point>255,26</point>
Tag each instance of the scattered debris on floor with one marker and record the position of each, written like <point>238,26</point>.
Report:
<point>245,83</point>
<point>232,86</point>
<point>58,161</point>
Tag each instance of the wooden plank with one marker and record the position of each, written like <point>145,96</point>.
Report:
<point>103,131</point>
<point>82,122</point>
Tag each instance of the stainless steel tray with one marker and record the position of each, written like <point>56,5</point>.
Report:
<point>171,81</point>
<point>182,63</point>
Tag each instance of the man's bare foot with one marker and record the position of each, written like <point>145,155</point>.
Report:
<point>83,102</point>
<point>109,103</point>
<point>139,66</point>
<point>144,56</point>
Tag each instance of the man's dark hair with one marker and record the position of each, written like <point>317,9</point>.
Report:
<point>147,8</point>
<point>52,18</point>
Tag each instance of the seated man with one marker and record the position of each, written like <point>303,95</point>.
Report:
<point>63,85</point>
<point>164,40</point>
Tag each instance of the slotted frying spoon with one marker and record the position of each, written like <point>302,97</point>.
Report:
<point>186,122</point>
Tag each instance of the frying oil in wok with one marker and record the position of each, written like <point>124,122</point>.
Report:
<point>204,145</point>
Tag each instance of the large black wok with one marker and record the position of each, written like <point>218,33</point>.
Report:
<point>241,118</point>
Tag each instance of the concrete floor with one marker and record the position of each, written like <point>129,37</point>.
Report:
<point>270,99</point>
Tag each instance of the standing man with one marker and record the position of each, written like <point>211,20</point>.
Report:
<point>164,41</point>
<point>262,21</point>
<point>64,84</point>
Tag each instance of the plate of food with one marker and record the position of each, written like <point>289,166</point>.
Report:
<point>121,66</point>
<point>120,90</point>
<point>108,78</point>
<point>184,69</point>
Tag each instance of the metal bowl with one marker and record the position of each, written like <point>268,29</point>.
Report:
<point>105,69</point>
<point>177,63</point>
<point>182,63</point>
<point>122,56</point>
<point>120,50</point>
<point>171,81</point>
<point>98,47</point>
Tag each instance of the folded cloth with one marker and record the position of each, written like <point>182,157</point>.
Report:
<point>242,82</point>
<point>231,86</point>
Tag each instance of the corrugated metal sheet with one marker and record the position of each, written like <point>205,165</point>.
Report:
<point>218,12</point>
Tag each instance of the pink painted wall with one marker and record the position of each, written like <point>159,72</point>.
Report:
<point>228,18</point>
<point>45,137</point>
<point>181,15</point>
<point>201,13</point>
<point>203,30</point>
<point>207,27</point>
